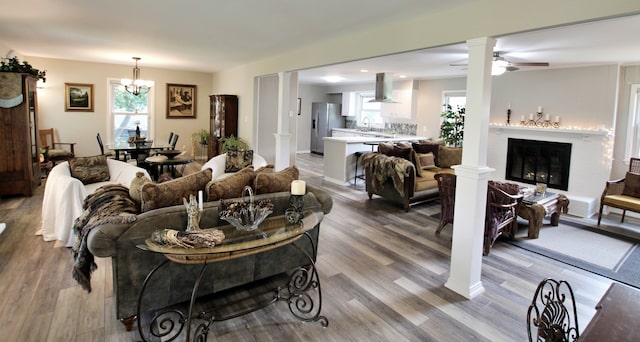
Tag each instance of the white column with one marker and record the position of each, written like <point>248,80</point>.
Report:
<point>287,101</point>
<point>472,175</point>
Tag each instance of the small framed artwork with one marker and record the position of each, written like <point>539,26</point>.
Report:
<point>181,101</point>
<point>299,106</point>
<point>78,97</point>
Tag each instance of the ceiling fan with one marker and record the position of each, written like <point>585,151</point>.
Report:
<point>500,64</point>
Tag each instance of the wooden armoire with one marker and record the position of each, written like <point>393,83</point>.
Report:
<point>19,147</point>
<point>224,121</point>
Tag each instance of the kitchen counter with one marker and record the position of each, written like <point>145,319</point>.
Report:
<point>339,154</point>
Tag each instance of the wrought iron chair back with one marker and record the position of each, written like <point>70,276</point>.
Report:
<point>552,315</point>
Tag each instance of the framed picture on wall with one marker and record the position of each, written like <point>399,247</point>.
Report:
<point>78,97</point>
<point>181,101</point>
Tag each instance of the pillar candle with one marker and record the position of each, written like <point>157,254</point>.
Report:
<point>200,205</point>
<point>530,116</point>
<point>522,118</point>
<point>556,119</point>
<point>547,117</point>
<point>539,109</point>
<point>298,187</point>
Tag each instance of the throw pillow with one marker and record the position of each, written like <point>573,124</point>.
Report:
<point>230,187</point>
<point>135,189</point>
<point>90,169</point>
<point>238,160</point>
<point>425,146</point>
<point>268,182</point>
<point>631,184</point>
<point>448,156</point>
<point>385,148</point>
<point>426,160</point>
<point>266,168</point>
<point>172,192</point>
<point>402,152</point>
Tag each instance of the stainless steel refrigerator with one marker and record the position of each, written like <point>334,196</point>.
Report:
<point>324,117</point>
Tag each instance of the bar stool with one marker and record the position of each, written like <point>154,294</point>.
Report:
<point>356,176</point>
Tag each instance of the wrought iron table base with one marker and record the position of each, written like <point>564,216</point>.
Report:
<point>168,324</point>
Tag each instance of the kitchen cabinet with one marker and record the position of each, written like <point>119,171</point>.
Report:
<point>223,120</point>
<point>349,102</point>
<point>405,108</point>
<point>19,146</point>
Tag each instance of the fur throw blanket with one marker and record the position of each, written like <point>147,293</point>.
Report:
<point>384,167</point>
<point>108,204</point>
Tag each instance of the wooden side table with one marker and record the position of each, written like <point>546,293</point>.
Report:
<point>535,209</point>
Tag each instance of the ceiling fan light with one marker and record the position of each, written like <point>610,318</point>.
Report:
<point>497,70</point>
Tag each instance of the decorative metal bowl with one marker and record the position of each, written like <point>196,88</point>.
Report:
<point>245,216</point>
<point>169,153</point>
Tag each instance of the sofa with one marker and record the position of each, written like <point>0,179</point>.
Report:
<point>173,283</point>
<point>404,172</point>
<point>64,194</point>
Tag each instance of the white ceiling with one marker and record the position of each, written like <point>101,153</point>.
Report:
<point>211,35</point>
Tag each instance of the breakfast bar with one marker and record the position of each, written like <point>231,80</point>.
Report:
<point>340,159</point>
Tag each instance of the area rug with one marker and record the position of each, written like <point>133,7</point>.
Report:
<point>587,248</point>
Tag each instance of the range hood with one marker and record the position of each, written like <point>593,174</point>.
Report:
<point>384,88</point>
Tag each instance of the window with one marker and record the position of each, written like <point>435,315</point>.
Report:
<point>126,110</point>
<point>632,148</point>
<point>454,98</point>
<point>369,113</point>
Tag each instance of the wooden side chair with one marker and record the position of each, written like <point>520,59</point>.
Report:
<point>623,193</point>
<point>447,189</point>
<point>552,315</point>
<point>55,151</point>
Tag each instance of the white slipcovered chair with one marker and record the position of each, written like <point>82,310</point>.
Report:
<point>217,163</point>
<point>64,195</point>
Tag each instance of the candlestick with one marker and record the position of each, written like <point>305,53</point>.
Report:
<point>200,204</point>
<point>298,187</point>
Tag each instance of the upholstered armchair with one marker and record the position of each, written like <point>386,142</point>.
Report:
<point>623,193</point>
<point>503,200</point>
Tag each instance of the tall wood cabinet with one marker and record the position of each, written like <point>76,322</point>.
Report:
<point>224,121</point>
<point>19,147</point>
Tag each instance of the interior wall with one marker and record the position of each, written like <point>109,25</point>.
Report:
<point>81,127</point>
<point>430,103</point>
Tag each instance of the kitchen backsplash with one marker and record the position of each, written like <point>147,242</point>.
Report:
<point>389,127</point>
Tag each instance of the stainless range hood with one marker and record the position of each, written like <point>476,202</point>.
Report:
<point>384,88</point>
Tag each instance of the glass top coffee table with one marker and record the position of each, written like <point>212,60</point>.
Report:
<point>272,233</point>
<point>536,207</point>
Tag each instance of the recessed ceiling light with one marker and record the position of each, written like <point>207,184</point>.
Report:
<point>403,76</point>
<point>364,70</point>
<point>333,79</point>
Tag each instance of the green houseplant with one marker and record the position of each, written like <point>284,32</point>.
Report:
<point>12,64</point>
<point>203,135</point>
<point>233,143</point>
<point>452,127</point>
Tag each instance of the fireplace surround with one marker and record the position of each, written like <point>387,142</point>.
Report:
<point>535,161</point>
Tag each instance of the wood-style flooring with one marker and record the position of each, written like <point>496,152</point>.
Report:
<point>382,274</point>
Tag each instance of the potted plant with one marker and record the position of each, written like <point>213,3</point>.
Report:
<point>203,135</point>
<point>12,64</point>
<point>233,143</point>
<point>452,127</point>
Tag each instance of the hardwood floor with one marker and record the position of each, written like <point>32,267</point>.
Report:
<point>382,275</point>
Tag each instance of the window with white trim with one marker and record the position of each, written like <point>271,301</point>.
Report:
<point>128,111</point>
<point>632,148</point>
<point>369,113</point>
<point>455,98</point>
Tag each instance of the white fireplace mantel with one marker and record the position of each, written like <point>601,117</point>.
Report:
<point>585,133</point>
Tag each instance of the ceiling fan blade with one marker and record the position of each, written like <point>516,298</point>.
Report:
<point>511,68</point>
<point>458,64</point>
<point>530,64</point>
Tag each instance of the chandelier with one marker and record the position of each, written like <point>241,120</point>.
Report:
<point>136,86</point>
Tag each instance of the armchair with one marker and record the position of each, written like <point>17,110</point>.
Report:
<point>55,151</point>
<point>503,200</point>
<point>623,193</point>
<point>447,189</point>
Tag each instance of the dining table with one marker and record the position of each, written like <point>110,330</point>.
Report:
<point>142,147</point>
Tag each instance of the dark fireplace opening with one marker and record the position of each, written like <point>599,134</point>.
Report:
<point>533,161</point>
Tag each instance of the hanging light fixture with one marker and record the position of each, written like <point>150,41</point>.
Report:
<point>136,86</point>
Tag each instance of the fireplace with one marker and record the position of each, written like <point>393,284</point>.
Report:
<point>533,161</point>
